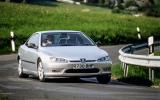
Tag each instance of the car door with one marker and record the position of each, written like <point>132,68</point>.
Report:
<point>30,53</point>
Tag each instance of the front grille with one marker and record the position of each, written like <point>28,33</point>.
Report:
<point>94,70</point>
<point>80,61</point>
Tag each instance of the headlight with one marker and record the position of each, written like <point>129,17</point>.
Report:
<point>58,60</point>
<point>106,58</point>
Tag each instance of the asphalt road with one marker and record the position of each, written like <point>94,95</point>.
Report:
<point>66,88</point>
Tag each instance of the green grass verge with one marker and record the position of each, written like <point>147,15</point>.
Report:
<point>136,75</point>
<point>117,71</point>
<point>157,53</point>
<point>99,23</point>
<point>3,97</point>
<point>157,81</point>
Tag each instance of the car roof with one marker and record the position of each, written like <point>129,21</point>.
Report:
<point>56,31</point>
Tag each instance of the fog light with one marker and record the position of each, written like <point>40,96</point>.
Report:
<point>56,70</point>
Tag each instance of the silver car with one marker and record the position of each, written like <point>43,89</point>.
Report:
<point>63,53</point>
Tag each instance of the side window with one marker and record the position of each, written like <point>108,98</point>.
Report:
<point>33,39</point>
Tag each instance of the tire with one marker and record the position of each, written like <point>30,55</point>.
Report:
<point>20,70</point>
<point>104,79</point>
<point>40,72</point>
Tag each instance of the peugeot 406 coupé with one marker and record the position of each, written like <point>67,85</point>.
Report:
<point>63,53</point>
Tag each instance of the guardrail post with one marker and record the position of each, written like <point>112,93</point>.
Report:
<point>125,70</point>
<point>127,67</point>
<point>151,74</point>
<point>131,49</point>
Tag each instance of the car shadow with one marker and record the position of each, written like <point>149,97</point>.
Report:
<point>67,80</point>
<point>92,80</point>
<point>70,80</point>
<point>138,81</point>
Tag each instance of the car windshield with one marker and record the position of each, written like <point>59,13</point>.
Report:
<point>65,39</point>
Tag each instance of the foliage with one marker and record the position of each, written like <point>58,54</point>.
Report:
<point>157,53</point>
<point>154,10</point>
<point>4,97</point>
<point>136,75</point>
<point>99,23</point>
<point>117,71</point>
<point>129,3</point>
<point>137,80</point>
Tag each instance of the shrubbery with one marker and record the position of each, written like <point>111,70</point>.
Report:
<point>136,75</point>
<point>99,23</point>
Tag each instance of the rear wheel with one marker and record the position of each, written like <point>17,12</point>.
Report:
<point>41,72</point>
<point>104,79</point>
<point>20,70</point>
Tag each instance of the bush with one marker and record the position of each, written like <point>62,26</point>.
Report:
<point>18,1</point>
<point>99,23</point>
<point>129,3</point>
<point>116,10</point>
<point>4,97</point>
<point>5,43</point>
<point>136,75</point>
<point>153,11</point>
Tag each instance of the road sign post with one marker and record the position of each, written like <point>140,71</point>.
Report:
<point>139,33</point>
<point>12,41</point>
<point>151,53</point>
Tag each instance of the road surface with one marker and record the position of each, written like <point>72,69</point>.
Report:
<point>66,88</point>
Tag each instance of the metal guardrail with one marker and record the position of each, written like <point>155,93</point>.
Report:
<point>127,57</point>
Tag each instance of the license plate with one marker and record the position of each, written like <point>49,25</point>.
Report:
<point>83,66</point>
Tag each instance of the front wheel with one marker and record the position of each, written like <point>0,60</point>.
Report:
<point>20,70</point>
<point>104,79</point>
<point>41,72</point>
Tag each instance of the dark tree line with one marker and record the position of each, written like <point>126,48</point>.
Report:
<point>25,1</point>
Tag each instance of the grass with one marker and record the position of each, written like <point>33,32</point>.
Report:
<point>157,81</point>
<point>117,71</point>
<point>99,23</point>
<point>4,97</point>
<point>157,53</point>
<point>136,75</point>
<point>25,19</point>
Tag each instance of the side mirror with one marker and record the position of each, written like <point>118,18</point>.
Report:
<point>32,45</point>
<point>98,43</point>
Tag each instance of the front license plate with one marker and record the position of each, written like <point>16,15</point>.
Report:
<point>83,66</point>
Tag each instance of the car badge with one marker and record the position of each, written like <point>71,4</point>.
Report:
<point>83,60</point>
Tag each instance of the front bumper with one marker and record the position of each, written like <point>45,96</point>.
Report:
<point>69,70</point>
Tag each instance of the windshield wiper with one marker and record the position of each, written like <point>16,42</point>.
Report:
<point>87,44</point>
<point>67,45</point>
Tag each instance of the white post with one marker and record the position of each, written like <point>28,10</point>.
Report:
<point>127,68</point>
<point>12,41</point>
<point>85,1</point>
<point>151,45</point>
<point>139,35</point>
<point>151,53</point>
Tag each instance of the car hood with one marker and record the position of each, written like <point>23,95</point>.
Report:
<point>75,52</point>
